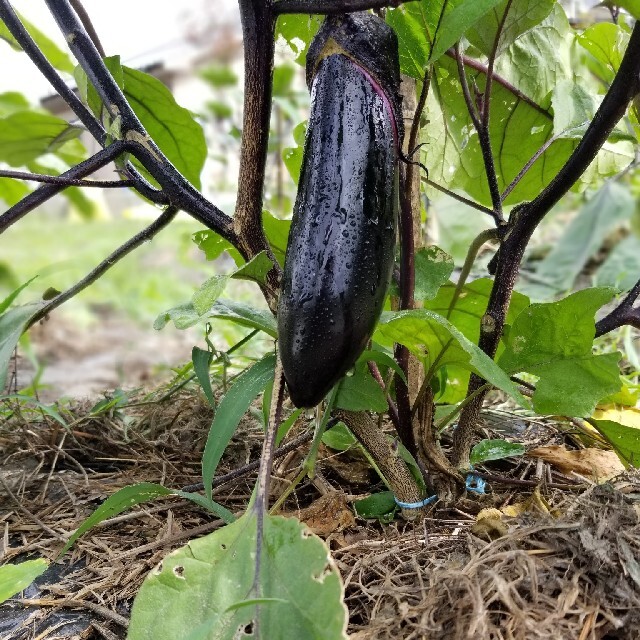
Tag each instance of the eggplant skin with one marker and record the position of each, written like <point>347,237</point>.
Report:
<point>341,245</point>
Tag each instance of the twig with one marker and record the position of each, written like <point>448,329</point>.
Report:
<point>472,63</point>
<point>623,314</point>
<point>141,237</point>
<point>46,191</point>
<point>393,410</point>
<point>88,25</point>
<point>458,197</point>
<point>66,182</point>
<point>252,466</point>
<point>331,7</point>
<point>484,141</point>
<point>105,612</point>
<point>177,189</point>
<point>525,483</point>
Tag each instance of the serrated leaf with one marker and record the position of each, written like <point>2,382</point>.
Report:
<point>487,450</point>
<point>232,407</point>
<point>554,341</point>
<point>58,58</point>
<point>625,440</point>
<point>26,135</point>
<point>171,126</point>
<point>432,338</point>
<point>360,392</point>
<point>300,590</point>
<point>16,577</point>
<point>433,266</point>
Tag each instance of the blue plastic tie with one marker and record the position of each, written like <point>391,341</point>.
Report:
<point>476,484</point>
<point>415,505</point>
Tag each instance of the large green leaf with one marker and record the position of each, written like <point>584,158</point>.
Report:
<point>11,102</point>
<point>245,316</point>
<point>540,58</point>
<point>214,245</point>
<point>433,339</point>
<point>52,52</point>
<point>554,341</point>
<point>12,190</point>
<point>16,577</point>
<point>207,591</point>
<point>621,269</point>
<point>517,131</point>
<point>606,42</point>
<point>606,209</point>
<point>26,135</point>
<point>298,30</point>
<point>277,232</point>
<point>513,18</point>
<point>171,126</point>
<point>230,410</point>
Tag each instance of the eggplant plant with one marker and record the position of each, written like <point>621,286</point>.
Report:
<point>504,108</point>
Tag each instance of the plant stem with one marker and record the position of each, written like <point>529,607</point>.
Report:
<point>65,182</point>
<point>623,314</point>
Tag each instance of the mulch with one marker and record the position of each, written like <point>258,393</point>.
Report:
<point>570,570</point>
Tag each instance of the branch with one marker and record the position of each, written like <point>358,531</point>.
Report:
<point>65,182</point>
<point>179,191</point>
<point>459,198</point>
<point>88,25</point>
<point>484,140</point>
<point>258,30</point>
<point>331,7</point>
<point>524,220</point>
<point>47,191</point>
<point>133,243</point>
<point>623,314</point>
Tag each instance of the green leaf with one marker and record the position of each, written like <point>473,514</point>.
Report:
<point>457,22</point>
<point>16,577</point>
<point>12,190</point>
<point>300,591</point>
<point>283,76</point>
<point>201,362</point>
<point>632,6</point>
<point>49,410</point>
<point>12,325</point>
<point>120,501</point>
<point>293,156</point>
<point>584,235</point>
<point>232,407</point>
<point>219,75</point>
<point>377,505</point>
<point>52,52</point>
<point>625,440</point>
<point>433,267</point>
<point>11,102</point>
<point>522,15</point>
<point>10,299</point>
<point>209,505</point>
<point>298,30</point>
<point>214,245</point>
<point>606,42</point>
<point>432,338</point>
<point>245,316</point>
<point>466,317</point>
<point>360,392</point>
<point>339,438</point>
<point>573,108</point>
<point>381,358</point>
<point>256,269</point>
<point>487,450</point>
<point>26,135</point>
<point>277,232</point>
<point>622,266</point>
<point>171,126</point>
<point>88,93</point>
<point>554,341</point>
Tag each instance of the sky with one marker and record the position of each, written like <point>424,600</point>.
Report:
<point>141,31</point>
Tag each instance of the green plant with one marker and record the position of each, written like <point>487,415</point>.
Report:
<point>514,110</point>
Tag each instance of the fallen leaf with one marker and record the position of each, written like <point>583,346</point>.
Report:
<point>628,416</point>
<point>328,514</point>
<point>596,464</point>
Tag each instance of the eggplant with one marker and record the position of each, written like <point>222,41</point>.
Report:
<point>342,240</point>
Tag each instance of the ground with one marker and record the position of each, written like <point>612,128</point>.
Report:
<point>568,566</point>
